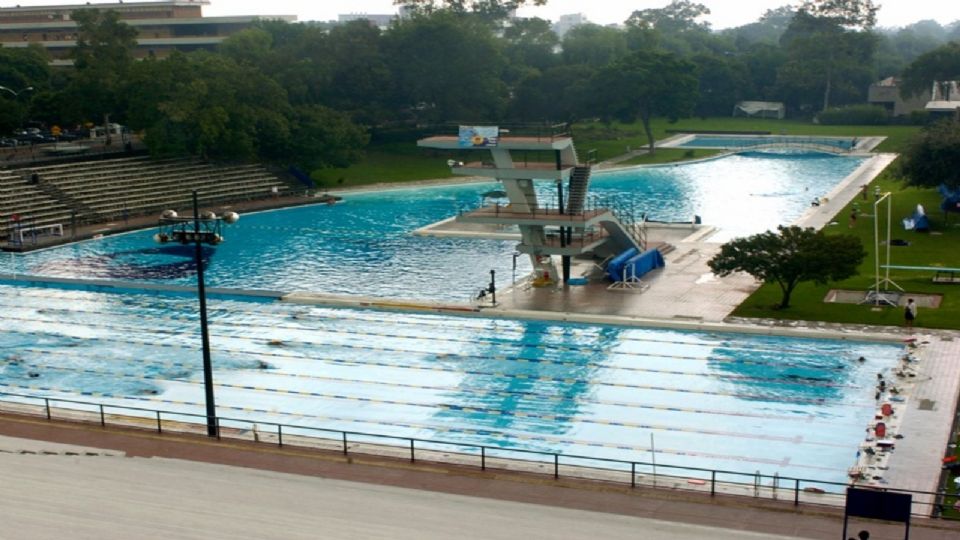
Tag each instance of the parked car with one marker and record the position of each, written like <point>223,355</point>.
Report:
<point>7,142</point>
<point>34,138</point>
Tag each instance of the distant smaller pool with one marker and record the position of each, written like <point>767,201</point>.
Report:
<point>750,141</point>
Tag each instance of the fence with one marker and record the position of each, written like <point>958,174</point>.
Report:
<point>634,474</point>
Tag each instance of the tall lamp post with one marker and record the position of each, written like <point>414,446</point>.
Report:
<point>16,95</point>
<point>174,228</point>
<point>212,430</point>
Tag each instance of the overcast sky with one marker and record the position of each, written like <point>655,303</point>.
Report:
<point>724,13</point>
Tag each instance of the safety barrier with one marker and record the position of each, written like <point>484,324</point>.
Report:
<point>797,491</point>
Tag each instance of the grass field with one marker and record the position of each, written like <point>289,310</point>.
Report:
<point>935,248</point>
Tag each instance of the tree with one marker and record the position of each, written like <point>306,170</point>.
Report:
<point>447,68</point>
<point>850,14</point>
<point>768,30</point>
<point>791,256</point>
<point>102,59</point>
<point>723,82</point>
<point>322,137</point>
<point>933,156</point>
<point>593,45</point>
<point>530,44</point>
<point>558,94</point>
<point>674,28</point>
<point>647,84</point>
<point>20,69</point>
<point>677,16</point>
<point>491,9</point>
<point>940,64</point>
<point>824,59</point>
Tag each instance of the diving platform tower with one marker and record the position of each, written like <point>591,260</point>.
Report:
<point>548,199</point>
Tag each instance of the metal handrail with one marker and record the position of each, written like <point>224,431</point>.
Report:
<point>610,467</point>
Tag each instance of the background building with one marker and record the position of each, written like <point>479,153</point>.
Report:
<point>163,26</point>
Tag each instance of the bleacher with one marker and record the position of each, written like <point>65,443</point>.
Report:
<point>24,205</point>
<point>104,190</point>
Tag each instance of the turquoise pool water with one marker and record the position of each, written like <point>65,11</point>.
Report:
<point>744,403</point>
<point>365,246</point>
<point>746,141</point>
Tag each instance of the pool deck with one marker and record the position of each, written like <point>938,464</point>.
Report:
<point>116,483</point>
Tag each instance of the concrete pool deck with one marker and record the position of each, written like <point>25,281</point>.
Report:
<point>182,486</point>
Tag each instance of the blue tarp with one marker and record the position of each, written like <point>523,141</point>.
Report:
<point>615,266</point>
<point>951,199</point>
<point>635,265</point>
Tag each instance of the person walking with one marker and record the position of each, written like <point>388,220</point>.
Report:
<point>910,312</point>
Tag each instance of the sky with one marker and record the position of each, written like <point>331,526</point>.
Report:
<point>724,13</point>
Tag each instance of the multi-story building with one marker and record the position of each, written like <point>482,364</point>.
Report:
<point>163,26</point>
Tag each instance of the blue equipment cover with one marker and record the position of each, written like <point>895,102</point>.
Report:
<point>615,266</point>
<point>951,199</point>
<point>650,259</point>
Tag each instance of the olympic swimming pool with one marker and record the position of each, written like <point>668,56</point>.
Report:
<point>364,246</point>
<point>795,407</point>
<point>747,403</point>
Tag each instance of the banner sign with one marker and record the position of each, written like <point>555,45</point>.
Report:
<point>479,136</point>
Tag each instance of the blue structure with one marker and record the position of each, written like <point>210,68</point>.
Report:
<point>631,264</point>
<point>951,198</point>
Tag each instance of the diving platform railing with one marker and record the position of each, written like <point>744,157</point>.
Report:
<point>536,132</point>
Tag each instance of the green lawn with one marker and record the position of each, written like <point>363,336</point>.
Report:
<point>936,248</point>
<point>388,163</point>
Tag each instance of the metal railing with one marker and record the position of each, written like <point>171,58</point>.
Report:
<point>538,131</point>
<point>634,474</point>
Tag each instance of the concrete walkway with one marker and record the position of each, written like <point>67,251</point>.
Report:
<point>239,490</point>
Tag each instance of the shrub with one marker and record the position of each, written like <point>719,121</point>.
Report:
<point>854,115</point>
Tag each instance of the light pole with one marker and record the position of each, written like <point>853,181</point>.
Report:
<point>16,95</point>
<point>14,92</point>
<point>174,228</point>
<point>212,430</point>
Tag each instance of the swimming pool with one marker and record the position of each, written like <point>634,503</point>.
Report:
<point>364,245</point>
<point>795,407</point>
<point>747,141</point>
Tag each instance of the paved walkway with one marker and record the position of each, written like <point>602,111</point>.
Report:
<point>238,490</point>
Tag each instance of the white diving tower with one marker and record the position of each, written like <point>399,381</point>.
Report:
<point>567,223</point>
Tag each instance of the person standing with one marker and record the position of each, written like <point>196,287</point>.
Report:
<point>910,312</point>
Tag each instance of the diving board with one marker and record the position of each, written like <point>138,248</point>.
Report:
<point>942,274</point>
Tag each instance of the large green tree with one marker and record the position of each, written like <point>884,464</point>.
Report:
<point>25,73</point>
<point>102,59</point>
<point>447,68</point>
<point>646,84</point>
<point>828,64</point>
<point>593,45</point>
<point>724,81</point>
<point>491,9</point>
<point>933,156</point>
<point>791,256</point>
<point>561,93</point>
<point>940,64</point>
<point>217,108</point>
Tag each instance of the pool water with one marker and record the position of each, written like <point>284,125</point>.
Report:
<point>746,141</point>
<point>795,407</point>
<point>365,245</point>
